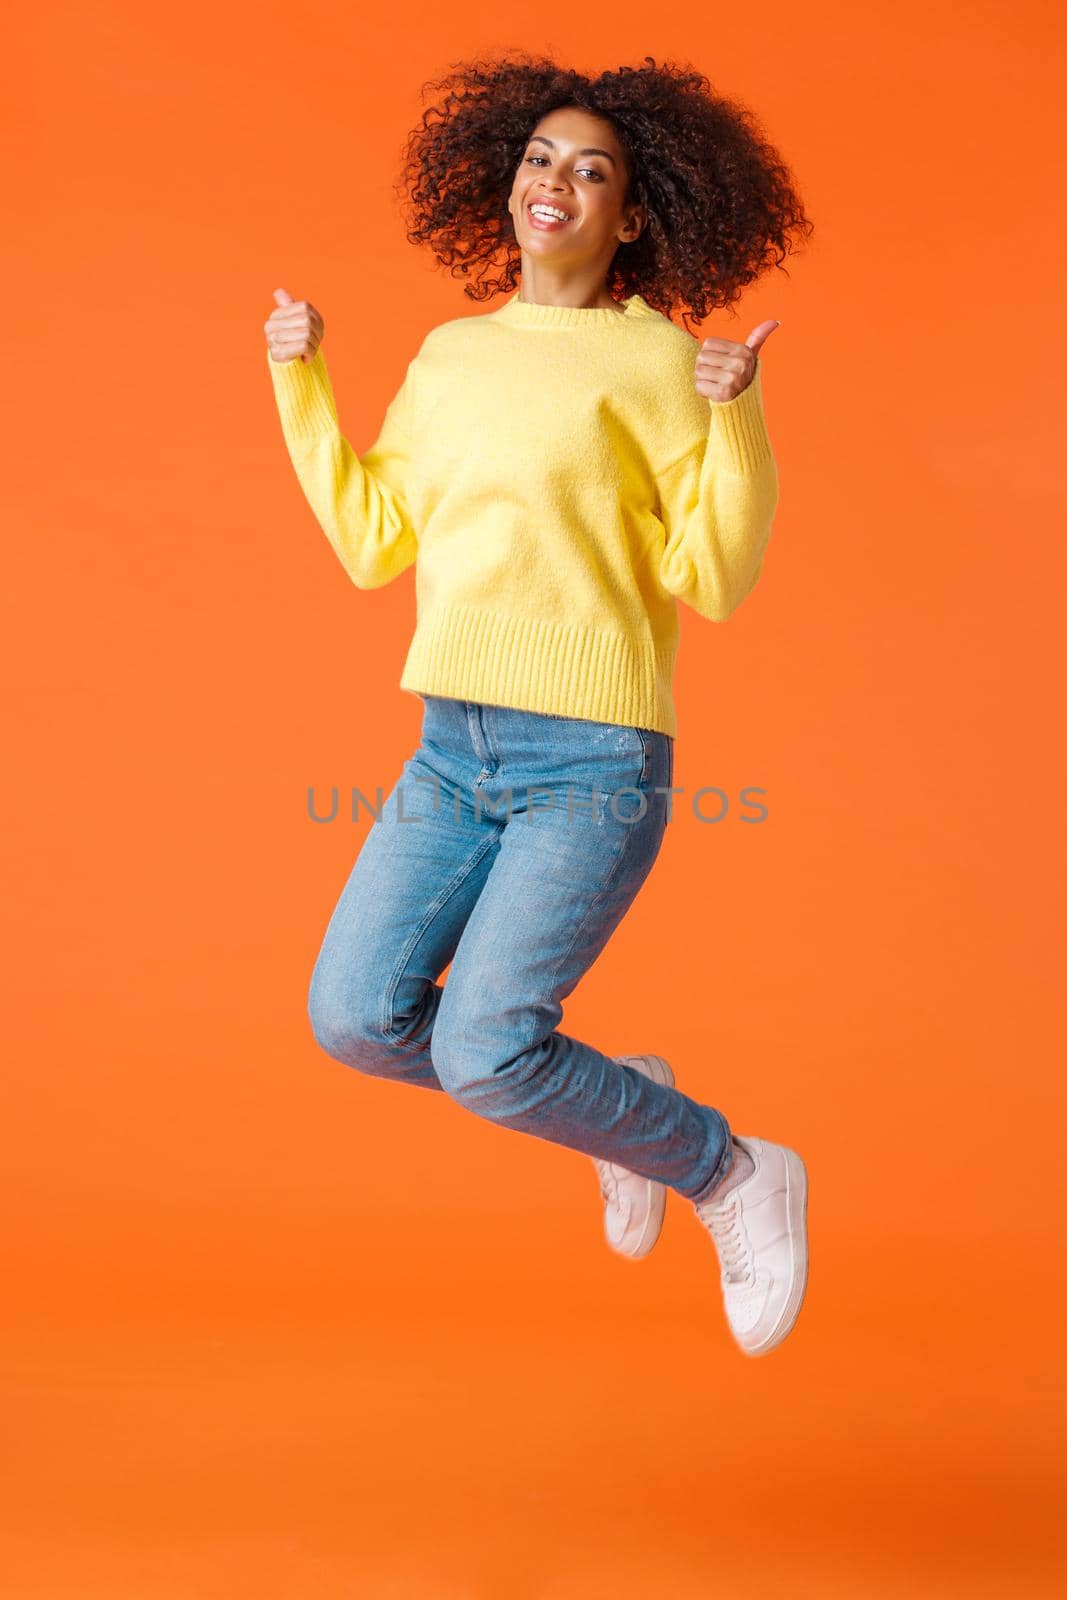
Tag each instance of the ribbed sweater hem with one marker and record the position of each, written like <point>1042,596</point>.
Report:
<point>558,668</point>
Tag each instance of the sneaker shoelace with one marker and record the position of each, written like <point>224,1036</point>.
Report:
<point>723,1222</point>
<point>609,1181</point>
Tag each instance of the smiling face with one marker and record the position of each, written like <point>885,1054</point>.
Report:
<point>574,165</point>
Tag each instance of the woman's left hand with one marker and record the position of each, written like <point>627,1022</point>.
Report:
<point>725,369</point>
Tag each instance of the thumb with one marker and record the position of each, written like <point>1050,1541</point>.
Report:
<point>282,298</point>
<point>759,336</point>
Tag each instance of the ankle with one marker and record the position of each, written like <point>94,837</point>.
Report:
<point>741,1167</point>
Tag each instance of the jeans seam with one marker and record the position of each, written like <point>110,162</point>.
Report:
<point>389,992</point>
<point>644,739</point>
<point>594,904</point>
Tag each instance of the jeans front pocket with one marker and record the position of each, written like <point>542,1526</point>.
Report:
<point>614,764</point>
<point>633,744</point>
<point>624,771</point>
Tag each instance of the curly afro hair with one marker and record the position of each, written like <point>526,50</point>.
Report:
<point>721,203</point>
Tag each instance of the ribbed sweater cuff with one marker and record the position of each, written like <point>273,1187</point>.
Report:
<point>740,426</point>
<point>304,396</point>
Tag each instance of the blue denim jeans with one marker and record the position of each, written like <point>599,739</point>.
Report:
<point>511,846</point>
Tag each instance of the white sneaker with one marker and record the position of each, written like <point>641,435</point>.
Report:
<point>760,1231</point>
<point>634,1206</point>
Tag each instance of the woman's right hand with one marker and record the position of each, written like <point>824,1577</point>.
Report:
<point>294,329</point>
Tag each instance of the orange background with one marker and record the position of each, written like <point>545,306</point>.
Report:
<point>275,1329</point>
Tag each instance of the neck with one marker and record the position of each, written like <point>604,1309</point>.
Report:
<point>579,292</point>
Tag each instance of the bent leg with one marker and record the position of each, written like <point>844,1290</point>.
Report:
<point>556,891</point>
<point>374,997</point>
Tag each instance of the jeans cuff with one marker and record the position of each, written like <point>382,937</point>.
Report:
<point>723,1162</point>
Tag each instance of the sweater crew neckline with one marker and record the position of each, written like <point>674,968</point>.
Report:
<point>532,314</point>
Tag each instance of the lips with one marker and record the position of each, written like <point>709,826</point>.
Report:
<point>546,222</point>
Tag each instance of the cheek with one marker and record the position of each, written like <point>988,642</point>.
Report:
<point>603,212</point>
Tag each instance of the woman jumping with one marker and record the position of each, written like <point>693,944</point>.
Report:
<point>561,472</point>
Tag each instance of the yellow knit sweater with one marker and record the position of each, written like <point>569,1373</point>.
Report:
<point>559,485</point>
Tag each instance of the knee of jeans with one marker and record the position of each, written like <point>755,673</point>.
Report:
<point>347,1022</point>
<point>452,1052</point>
<point>471,1070</point>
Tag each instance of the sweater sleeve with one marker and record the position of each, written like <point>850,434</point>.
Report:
<point>359,501</point>
<point>717,503</point>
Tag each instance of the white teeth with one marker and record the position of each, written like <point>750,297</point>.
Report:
<point>549,211</point>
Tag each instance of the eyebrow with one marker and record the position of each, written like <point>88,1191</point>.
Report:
<point>540,138</point>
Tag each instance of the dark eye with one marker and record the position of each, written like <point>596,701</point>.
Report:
<point>592,171</point>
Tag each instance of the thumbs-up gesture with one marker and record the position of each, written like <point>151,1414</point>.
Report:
<point>725,369</point>
<point>294,329</point>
